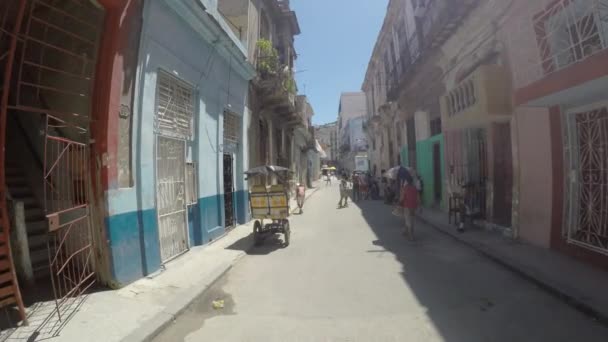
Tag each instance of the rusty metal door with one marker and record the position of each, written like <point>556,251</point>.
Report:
<point>171,197</point>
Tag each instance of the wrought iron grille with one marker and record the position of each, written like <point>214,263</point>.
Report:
<point>231,132</point>
<point>175,107</point>
<point>171,197</point>
<point>586,154</point>
<point>549,35</point>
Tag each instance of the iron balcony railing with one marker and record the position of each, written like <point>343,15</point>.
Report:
<point>554,35</point>
<point>435,24</point>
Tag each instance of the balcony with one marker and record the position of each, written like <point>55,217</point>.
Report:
<point>568,50</point>
<point>441,19</point>
<point>274,81</point>
<point>483,97</point>
<point>435,23</point>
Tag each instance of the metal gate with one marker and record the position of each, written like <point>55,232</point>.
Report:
<point>171,197</point>
<point>586,155</point>
<point>48,55</point>
<point>229,218</point>
<point>467,162</point>
<point>66,181</point>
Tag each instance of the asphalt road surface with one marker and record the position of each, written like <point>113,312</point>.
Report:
<point>349,275</point>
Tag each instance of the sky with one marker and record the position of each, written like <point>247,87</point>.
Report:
<point>335,45</point>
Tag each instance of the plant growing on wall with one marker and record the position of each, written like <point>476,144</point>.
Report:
<point>289,84</point>
<point>268,57</point>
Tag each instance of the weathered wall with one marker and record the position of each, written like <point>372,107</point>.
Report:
<point>169,44</point>
<point>535,175</point>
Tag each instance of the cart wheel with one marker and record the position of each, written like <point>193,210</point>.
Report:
<point>286,232</point>
<point>257,233</point>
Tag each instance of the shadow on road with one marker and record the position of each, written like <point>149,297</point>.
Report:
<point>467,297</point>
<point>272,242</point>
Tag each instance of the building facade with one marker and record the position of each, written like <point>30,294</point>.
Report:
<point>327,136</point>
<point>188,140</point>
<point>404,84</point>
<point>352,140</point>
<point>559,93</point>
<point>504,103</point>
<point>143,109</point>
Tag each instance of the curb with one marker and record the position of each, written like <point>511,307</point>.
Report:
<point>154,326</point>
<point>527,273</point>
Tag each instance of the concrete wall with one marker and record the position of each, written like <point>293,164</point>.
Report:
<point>535,175</point>
<point>169,44</point>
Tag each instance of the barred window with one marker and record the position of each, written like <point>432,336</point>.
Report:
<point>174,107</point>
<point>231,131</point>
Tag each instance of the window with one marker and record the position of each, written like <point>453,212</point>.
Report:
<point>435,126</point>
<point>569,31</point>
<point>264,26</point>
<point>387,64</point>
<point>232,129</point>
<point>174,107</point>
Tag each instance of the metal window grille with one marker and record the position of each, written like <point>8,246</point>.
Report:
<point>175,107</point>
<point>574,30</point>
<point>586,156</point>
<point>554,34</point>
<point>231,131</point>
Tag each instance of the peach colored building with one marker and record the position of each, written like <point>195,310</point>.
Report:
<point>557,51</point>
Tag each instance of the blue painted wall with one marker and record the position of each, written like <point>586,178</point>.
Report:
<point>171,44</point>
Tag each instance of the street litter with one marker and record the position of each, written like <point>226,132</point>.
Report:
<point>218,304</point>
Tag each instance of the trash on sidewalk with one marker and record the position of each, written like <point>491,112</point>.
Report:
<point>218,304</point>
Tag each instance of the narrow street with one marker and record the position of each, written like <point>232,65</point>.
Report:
<point>349,275</point>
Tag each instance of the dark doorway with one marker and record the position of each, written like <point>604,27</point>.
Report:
<point>411,142</point>
<point>503,174</point>
<point>437,180</point>
<point>228,191</point>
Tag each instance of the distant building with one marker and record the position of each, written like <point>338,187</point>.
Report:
<point>352,139</point>
<point>327,136</point>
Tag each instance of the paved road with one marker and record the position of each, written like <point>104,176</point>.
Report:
<point>349,275</point>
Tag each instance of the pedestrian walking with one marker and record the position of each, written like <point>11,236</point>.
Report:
<point>328,179</point>
<point>356,187</point>
<point>409,201</point>
<point>300,196</point>
<point>343,192</point>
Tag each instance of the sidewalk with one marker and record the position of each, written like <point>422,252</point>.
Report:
<point>140,310</point>
<point>577,283</point>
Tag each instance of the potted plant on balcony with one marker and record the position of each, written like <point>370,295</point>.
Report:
<point>267,59</point>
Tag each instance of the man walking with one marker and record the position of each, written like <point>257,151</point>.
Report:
<point>300,195</point>
<point>343,192</point>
